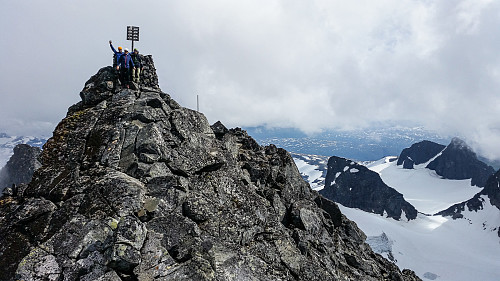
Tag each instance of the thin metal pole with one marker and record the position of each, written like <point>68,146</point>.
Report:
<point>197,103</point>
<point>132,50</point>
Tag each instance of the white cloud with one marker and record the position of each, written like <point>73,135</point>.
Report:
<point>305,64</point>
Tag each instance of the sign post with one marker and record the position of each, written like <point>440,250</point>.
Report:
<point>133,34</point>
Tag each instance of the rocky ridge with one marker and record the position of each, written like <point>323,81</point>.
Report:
<point>135,187</point>
<point>419,153</point>
<point>20,167</point>
<point>355,186</point>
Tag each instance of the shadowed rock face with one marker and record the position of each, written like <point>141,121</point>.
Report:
<point>419,153</point>
<point>20,167</point>
<point>355,186</point>
<point>458,162</point>
<point>135,187</point>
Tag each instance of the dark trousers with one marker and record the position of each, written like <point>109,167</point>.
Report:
<point>125,74</point>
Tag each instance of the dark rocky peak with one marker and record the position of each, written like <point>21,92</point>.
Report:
<point>20,167</point>
<point>135,187</point>
<point>458,162</point>
<point>419,153</point>
<point>356,186</point>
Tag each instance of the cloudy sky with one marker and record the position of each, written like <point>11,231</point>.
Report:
<point>312,65</point>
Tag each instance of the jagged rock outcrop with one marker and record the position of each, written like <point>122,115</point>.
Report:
<point>458,162</point>
<point>419,153</point>
<point>135,187</point>
<point>356,186</point>
<point>20,167</point>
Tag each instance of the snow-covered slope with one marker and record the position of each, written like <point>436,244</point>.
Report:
<point>423,188</point>
<point>435,247</point>
<point>312,168</point>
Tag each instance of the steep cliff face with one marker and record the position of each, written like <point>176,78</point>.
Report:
<point>135,187</point>
<point>20,167</point>
<point>356,186</point>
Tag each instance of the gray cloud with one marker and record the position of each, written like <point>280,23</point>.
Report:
<point>312,65</point>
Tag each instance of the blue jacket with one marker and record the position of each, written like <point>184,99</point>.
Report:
<point>117,54</point>
<point>126,61</point>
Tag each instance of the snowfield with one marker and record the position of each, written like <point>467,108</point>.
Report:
<point>312,172</point>
<point>312,168</point>
<point>435,247</point>
<point>423,188</point>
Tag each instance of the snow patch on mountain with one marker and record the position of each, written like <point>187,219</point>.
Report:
<point>422,187</point>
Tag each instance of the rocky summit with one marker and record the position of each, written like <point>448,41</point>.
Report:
<point>135,187</point>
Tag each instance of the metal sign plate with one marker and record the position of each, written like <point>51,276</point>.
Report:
<point>133,33</point>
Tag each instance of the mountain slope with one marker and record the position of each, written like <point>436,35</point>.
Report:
<point>135,187</point>
<point>355,186</point>
<point>436,247</point>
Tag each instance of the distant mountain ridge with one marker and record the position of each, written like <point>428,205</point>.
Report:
<point>7,144</point>
<point>368,144</point>
<point>458,161</point>
<point>468,229</point>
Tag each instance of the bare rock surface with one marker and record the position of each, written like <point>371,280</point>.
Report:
<point>135,187</point>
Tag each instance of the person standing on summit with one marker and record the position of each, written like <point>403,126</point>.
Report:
<point>125,65</point>
<point>117,55</point>
<point>136,72</point>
